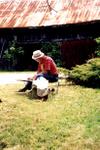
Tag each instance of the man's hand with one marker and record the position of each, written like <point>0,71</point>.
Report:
<point>30,78</point>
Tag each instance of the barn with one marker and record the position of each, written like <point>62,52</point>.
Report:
<point>74,24</point>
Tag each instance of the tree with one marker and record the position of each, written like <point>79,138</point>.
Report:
<point>12,54</point>
<point>97,52</point>
<point>53,50</point>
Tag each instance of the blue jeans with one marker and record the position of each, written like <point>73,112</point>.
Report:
<point>49,77</point>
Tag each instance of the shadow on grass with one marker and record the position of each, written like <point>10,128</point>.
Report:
<point>2,145</point>
<point>32,95</point>
<point>93,85</point>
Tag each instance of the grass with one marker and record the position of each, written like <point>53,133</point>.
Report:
<point>69,120</point>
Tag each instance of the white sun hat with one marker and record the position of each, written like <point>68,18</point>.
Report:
<point>37,54</point>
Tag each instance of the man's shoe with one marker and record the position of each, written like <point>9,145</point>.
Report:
<point>28,86</point>
<point>22,90</point>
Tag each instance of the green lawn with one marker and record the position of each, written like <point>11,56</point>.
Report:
<point>69,120</point>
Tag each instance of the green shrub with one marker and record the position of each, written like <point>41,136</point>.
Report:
<point>97,51</point>
<point>62,70</point>
<point>12,54</point>
<point>87,74</point>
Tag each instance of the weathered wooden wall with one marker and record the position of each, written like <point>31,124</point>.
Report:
<point>76,51</point>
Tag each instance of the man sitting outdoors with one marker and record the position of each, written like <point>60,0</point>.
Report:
<point>46,69</point>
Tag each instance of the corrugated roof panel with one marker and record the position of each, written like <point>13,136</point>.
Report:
<point>26,13</point>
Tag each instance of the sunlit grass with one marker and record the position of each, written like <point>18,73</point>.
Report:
<point>69,120</point>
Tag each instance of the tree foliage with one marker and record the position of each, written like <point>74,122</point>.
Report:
<point>97,52</point>
<point>12,54</point>
<point>53,50</point>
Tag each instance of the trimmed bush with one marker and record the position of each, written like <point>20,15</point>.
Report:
<point>62,70</point>
<point>87,74</point>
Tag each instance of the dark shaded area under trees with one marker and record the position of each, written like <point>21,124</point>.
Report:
<point>66,54</point>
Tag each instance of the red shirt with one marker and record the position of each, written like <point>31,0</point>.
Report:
<point>47,64</point>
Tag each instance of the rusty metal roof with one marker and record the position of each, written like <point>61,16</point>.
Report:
<point>34,13</point>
